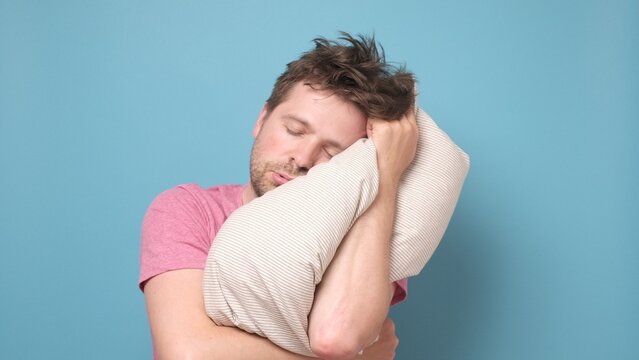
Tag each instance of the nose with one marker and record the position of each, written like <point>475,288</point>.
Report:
<point>306,157</point>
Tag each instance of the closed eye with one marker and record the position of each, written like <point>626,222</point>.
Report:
<point>294,132</point>
<point>330,153</point>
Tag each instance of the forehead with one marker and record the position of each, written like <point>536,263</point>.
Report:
<point>322,110</point>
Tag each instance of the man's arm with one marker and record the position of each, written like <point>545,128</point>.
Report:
<point>181,329</point>
<point>352,300</point>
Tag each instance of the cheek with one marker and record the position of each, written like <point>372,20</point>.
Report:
<point>272,144</point>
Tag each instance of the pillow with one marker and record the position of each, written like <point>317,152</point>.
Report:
<point>269,255</point>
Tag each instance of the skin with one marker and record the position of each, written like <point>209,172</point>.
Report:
<point>352,301</point>
<point>307,129</point>
<point>351,306</point>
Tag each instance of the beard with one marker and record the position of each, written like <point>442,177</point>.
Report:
<point>261,171</point>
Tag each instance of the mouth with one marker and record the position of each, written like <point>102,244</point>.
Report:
<point>281,178</point>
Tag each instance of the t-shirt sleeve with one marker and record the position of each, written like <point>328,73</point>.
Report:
<point>401,291</point>
<point>175,233</point>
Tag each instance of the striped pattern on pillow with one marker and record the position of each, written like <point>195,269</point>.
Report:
<point>270,254</point>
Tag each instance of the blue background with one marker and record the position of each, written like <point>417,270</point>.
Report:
<point>105,104</point>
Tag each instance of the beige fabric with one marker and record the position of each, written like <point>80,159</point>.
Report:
<point>270,254</point>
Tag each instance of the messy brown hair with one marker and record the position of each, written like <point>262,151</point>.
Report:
<point>353,69</point>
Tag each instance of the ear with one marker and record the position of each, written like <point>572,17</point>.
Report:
<point>260,120</point>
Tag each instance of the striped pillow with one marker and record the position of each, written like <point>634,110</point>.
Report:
<point>270,254</point>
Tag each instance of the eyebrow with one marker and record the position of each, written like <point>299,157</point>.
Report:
<point>310,128</point>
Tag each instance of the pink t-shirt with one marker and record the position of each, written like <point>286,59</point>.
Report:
<point>181,223</point>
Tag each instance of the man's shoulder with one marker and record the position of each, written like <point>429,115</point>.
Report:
<point>222,199</point>
<point>230,192</point>
<point>180,224</point>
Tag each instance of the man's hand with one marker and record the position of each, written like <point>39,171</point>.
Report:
<point>396,144</point>
<point>384,348</point>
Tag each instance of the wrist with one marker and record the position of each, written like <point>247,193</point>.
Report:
<point>388,187</point>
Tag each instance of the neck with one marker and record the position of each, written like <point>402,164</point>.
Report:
<point>248,194</point>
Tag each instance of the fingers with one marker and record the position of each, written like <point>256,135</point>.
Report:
<point>388,327</point>
<point>403,124</point>
<point>409,117</point>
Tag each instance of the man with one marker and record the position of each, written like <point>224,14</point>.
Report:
<point>324,101</point>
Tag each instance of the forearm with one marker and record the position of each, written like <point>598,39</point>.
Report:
<point>353,298</point>
<point>181,329</point>
<point>219,342</point>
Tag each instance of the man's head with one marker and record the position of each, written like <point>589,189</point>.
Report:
<point>319,106</point>
<point>354,70</point>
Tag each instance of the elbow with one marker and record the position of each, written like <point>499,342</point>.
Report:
<point>331,345</point>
